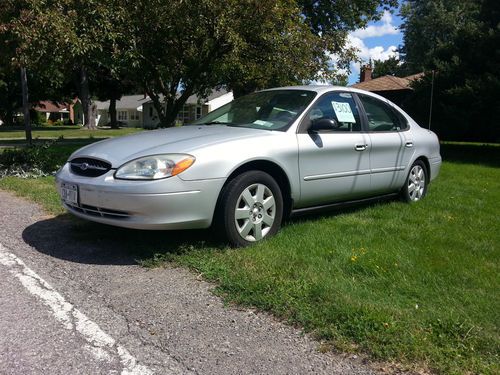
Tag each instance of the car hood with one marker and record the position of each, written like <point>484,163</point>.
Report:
<point>185,139</point>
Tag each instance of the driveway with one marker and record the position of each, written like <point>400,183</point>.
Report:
<point>79,305</point>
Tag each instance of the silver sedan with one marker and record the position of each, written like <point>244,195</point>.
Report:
<point>245,166</point>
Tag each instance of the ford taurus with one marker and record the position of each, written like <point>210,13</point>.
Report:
<point>245,166</point>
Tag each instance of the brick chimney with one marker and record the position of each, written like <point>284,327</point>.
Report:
<point>366,73</point>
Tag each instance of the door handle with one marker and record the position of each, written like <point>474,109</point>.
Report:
<point>409,144</point>
<point>360,147</point>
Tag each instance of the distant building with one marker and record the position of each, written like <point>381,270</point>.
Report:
<point>193,109</point>
<point>139,111</point>
<point>69,113</point>
<point>396,89</point>
<point>128,111</point>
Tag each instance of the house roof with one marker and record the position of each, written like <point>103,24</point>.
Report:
<point>387,83</point>
<point>51,106</point>
<point>134,102</point>
<point>195,99</point>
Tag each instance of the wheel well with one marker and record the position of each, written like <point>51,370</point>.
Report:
<point>276,172</point>
<point>427,165</point>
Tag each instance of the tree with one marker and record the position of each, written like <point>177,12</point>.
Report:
<point>106,85</point>
<point>274,46</point>
<point>459,40</point>
<point>174,49</point>
<point>13,73</point>
<point>392,67</point>
<point>57,38</point>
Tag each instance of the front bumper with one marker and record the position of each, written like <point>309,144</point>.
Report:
<point>171,203</point>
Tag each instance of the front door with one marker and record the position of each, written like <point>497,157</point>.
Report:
<point>334,164</point>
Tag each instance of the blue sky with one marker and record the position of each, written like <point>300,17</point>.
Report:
<point>377,41</point>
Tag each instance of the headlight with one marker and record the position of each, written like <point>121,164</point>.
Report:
<point>154,167</point>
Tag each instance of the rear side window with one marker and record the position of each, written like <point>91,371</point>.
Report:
<point>381,116</point>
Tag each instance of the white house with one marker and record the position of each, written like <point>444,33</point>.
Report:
<point>129,111</point>
<point>194,108</point>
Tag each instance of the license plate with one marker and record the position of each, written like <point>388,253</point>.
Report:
<point>69,193</point>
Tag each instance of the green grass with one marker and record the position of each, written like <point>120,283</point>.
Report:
<point>40,190</point>
<point>415,284</point>
<point>65,131</point>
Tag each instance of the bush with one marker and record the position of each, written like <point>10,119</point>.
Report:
<point>35,161</point>
<point>37,118</point>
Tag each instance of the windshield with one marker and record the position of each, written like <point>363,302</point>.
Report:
<point>271,110</point>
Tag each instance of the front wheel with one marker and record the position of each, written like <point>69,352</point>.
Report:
<point>251,208</point>
<point>416,183</point>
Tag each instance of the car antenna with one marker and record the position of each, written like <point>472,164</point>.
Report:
<point>432,96</point>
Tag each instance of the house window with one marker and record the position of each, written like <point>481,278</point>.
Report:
<point>150,111</point>
<point>198,112</point>
<point>122,115</point>
<point>134,115</point>
<point>183,115</point>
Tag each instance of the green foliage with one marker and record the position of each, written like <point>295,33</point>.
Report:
<point>37,118</point>
<point>460,41</point>
<point>392,67</point>
<point>34,161</point>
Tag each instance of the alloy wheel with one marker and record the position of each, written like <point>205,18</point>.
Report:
<point>255,212</point>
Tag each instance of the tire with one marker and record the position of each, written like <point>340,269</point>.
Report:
<point>250,209</point>
<point>415,187</point>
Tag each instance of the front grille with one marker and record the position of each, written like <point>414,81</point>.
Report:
<point>89,167</point>
<point>99,211</point>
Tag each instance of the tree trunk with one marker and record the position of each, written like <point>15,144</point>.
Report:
<point>112,113</point>
<point>89,112</point>
<point>240,90</point>
<point>26,108</point>
<point>159,107</point>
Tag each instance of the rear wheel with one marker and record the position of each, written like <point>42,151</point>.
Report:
<point>251,208</point>
<point>416,183</point>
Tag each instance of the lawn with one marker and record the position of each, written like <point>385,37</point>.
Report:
<point>48,132</point>
<point>413,284</point>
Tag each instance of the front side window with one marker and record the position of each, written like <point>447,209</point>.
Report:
<point>338,106</point>
<point>381,117</point>
<point>270,110</point>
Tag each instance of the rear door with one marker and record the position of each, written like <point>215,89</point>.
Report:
<point>390,150</point>
<point>334,164</point>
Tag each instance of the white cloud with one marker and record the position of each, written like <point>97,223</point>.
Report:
<point>355,39</point>
<point>386,28</point>
<point>375,53</point>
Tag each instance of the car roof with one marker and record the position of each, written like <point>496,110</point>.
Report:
<point>321,89</point>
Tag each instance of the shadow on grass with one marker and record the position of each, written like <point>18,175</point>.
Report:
<point>75,240</point>
<point>488,155</point>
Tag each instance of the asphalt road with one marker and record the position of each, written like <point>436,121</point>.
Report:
<point>84,307</point>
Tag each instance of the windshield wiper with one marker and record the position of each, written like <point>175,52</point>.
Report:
<point>218,123</point>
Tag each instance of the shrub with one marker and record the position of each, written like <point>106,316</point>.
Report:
<point>35,161</point>
<point>37,118</point>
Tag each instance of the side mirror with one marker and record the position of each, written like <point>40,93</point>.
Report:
<point>323,124</point>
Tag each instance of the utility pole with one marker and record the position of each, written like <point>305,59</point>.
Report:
<point>26,108</point>
<point>432,97</point>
